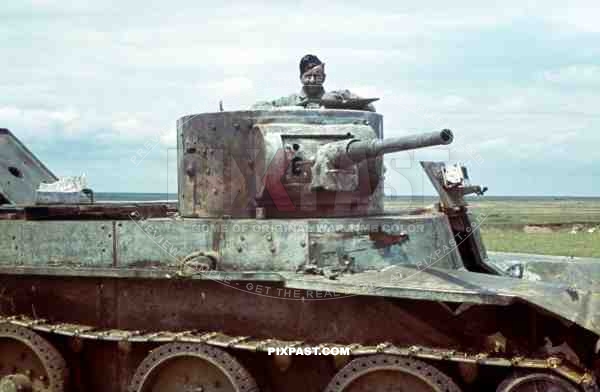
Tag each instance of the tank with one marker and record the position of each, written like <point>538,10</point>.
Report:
<point>279,269</point>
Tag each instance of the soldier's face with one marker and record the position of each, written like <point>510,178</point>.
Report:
<point>314,76</point>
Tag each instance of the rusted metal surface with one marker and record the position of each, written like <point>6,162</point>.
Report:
<point>231,163</point>
<point>451,184</point>
<point>287,163</point>
<point>20,171</point>
<point>9,212</point>
<point>28,362</point>
<point>452,189</point>
<point>579,376</point>
<point>537,381</point>
<point>380,373</point>
<point>576,272</point>
<point>191,367</point>
<point>241,245</point>
<point>574,304</point>
<point>96,248</point>
<point>110,286</point>
<point>98,211</point>
<point>43,244</point>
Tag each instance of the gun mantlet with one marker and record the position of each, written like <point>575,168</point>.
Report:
<point>339,165</point>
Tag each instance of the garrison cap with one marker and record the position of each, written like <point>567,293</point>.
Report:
<point>307,62</point>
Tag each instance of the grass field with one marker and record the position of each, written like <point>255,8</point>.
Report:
<point>553,226</point>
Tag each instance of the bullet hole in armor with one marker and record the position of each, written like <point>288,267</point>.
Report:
<point>296,146</point>
<point>15,172</point>
<point>191,150</point>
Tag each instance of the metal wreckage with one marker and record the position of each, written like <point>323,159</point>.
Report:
<point>280,241</point>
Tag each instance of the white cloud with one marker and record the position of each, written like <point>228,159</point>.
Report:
<point>584,74</point>
<point>454,102</point>
<point>168,140</point>
<point>10,114</point>
<point>123,72</point>
<point>582,15</point>
<point>127,123</point>
<point>368,91</point>
<point>233,86</point>
<point>39,121</point>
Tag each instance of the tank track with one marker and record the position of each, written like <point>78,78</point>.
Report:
<point>582,377</point>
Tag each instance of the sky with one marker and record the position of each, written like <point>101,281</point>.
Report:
<point>86,85</point>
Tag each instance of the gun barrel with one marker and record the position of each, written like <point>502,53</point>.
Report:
<point>358,150</point>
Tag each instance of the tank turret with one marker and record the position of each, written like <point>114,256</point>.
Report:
<point>286,163</point>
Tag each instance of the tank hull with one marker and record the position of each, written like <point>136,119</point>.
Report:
<point>144,298</point>
<point>176,305</point>
<point>118,289</point>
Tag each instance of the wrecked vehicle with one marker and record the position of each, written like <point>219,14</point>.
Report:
<point>280,244</point>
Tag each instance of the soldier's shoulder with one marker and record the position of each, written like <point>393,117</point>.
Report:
<point>289,100</point>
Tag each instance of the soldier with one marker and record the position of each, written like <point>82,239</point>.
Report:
<point>313,95</point>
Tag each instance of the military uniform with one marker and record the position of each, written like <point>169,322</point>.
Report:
<point>290,100</point>
<point>339,96</point>
<point>313,95</point>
